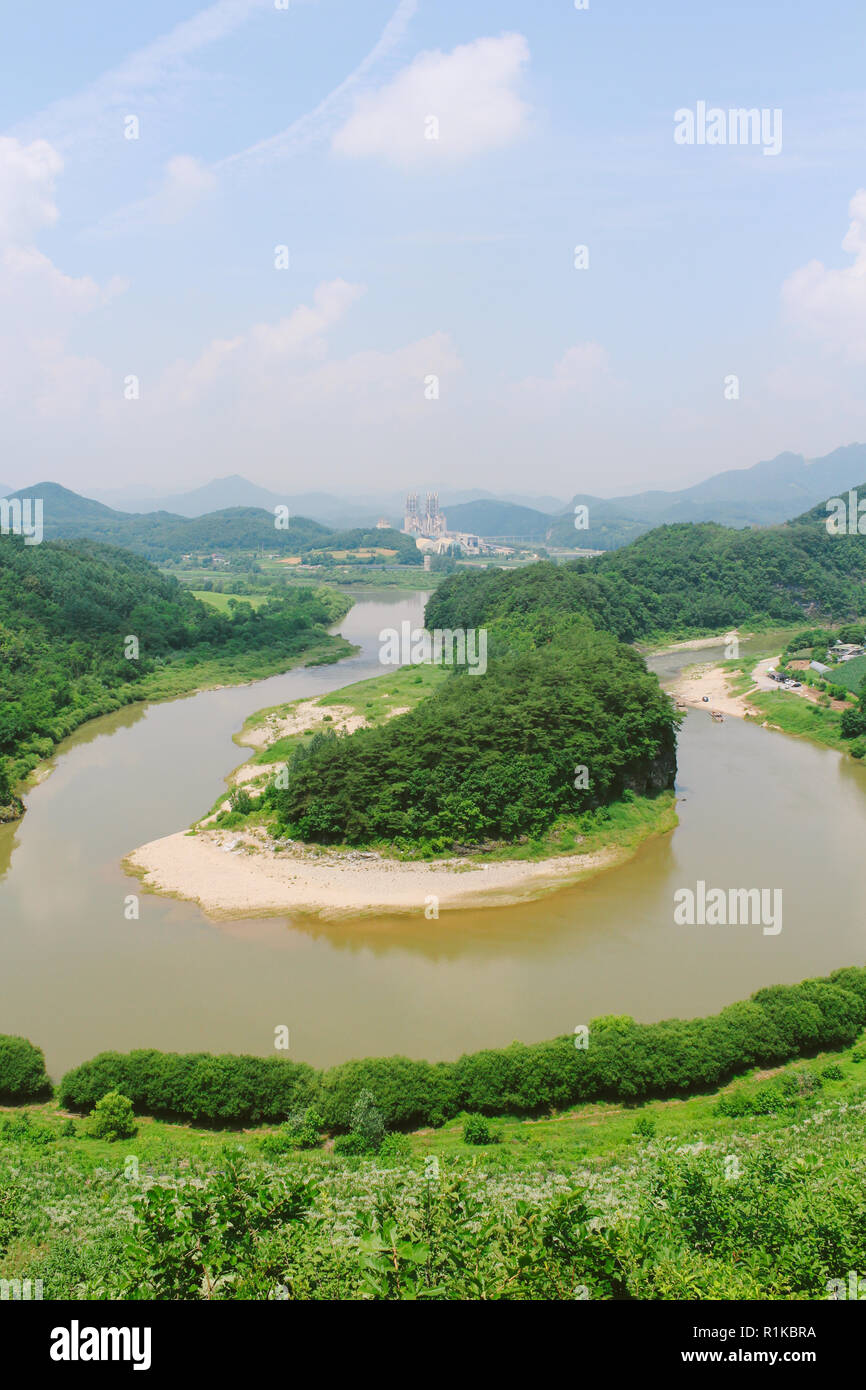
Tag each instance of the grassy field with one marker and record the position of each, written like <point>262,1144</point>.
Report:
<point>411,578</point>
<point>221,601</point>
<point>755,643</point>
<point>402,687</point>
<point>795,715</point>
<point>850,674</point>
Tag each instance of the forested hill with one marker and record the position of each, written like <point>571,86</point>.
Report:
<point>67,609</point>
<point>162,536</point>
<point>683,579</point>
<point>490,757</point>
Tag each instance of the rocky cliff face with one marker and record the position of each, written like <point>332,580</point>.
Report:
<point>654,774</point>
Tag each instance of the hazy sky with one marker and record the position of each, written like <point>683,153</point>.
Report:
<point>427,169</point>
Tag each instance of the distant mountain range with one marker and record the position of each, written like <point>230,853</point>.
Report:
<point>345,510</point>
<point>765,495</point>
<point>239,514</point>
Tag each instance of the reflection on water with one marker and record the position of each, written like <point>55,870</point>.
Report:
<point>757,809</point>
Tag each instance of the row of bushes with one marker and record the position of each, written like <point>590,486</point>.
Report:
<point>623,1060</point>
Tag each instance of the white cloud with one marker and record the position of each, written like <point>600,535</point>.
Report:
<point>39,303</point>
<point>307,128</point>
<point>444,106</point>
<point>27,174</point>
<point>830,305</point>
<point>250,360</point>
<point>191,179</point>
<point>278,377</point>
<point>278,394</point>
<point>579,373</point>
<point>186,183</point>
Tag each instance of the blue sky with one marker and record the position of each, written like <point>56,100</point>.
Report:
<point>411,257</point>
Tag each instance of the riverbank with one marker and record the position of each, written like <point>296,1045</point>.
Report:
<point>177,680</point>
<point>242,873</point>
<point>708,686</point>
<point>801,713</point>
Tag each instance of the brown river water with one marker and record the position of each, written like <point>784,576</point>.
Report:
<point>757,809</point>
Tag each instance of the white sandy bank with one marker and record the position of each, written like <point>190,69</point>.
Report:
<point>231,874</point>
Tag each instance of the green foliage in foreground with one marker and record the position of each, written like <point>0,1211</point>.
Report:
<point>624,1060</point>
<point>697,1206</point>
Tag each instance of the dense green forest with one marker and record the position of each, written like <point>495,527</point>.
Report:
<point>162,536</point>
<point>67,610</point>
<point>678,580</point>
<point>490,757</point>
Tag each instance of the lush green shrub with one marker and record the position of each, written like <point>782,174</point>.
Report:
<point>22,1071</point>
<point>395,1145</point>
<point>302,1130</point>
<point>366,1120</point>
<point>408,1093</point>
<point>351,1144</point>
<point>196,1086</point>
<point>852,978</point>
<point>112,1118</point>
<point>476,1130</point>
<point>852,722</point>
<point>832,1072</point>
<point>19,1128</point>
<point>645,1127</point>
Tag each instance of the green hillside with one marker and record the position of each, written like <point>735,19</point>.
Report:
<point>161,536</point>
<point>823,511</point>
<point>67,611</point>
<point>676,580</point>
